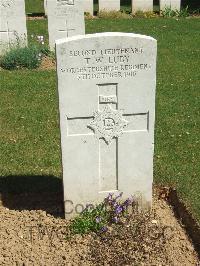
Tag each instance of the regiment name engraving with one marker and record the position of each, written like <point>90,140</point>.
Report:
<point>106,63</point>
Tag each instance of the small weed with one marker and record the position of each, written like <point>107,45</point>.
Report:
<point>168,12</point>
<point>24,57</point>
<point>148,14</point>
<point>196,12</point>
<point>184,12</point>
<point>87,15</point>
<point>111,211</point>
<point>113,14</point>
<point>39,41</point>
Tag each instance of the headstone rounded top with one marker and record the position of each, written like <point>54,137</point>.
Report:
<point>104,34</point>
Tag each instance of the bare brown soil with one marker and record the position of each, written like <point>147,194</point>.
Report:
<point>29,235</point>
<point>35,17</point>
<point>47,63</point>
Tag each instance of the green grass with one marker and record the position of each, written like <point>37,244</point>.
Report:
<point>34,6</point>
<point>29,137</point>
<point>35,28</point>
<point>29,126</point>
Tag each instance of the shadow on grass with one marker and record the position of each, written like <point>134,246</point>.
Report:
<point>32,193</point>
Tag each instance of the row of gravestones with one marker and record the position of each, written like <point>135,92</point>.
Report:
<point>65,18</point>
<point>106,85</point>
<point>109,5</point>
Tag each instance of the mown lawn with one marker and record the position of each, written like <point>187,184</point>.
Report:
<point>29,136</point>
<point>34,6</point>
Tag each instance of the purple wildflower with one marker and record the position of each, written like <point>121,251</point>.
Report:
<point>118,209</point>
<point>115,219</point>
<point>98,219</point>
<point>127,202</point>
<point>114,203</point>
<point>119,196</point>
<point>109,197</point>
<point>103,229</point>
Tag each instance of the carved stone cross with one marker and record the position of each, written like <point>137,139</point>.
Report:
<point>67,30</point>
<point>8,33</point>
<point>108,124</point>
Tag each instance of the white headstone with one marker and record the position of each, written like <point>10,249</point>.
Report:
<point>106,85</point>
<point>111,5</point>
<point>45,7</point>
<point>142,5</point>
<point>88,6</point>
<point>65,19</point>
<point>12,24</point>
<point>173,4</point>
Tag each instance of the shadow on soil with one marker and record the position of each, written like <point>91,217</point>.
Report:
<point>32,193</point>
<point>185,217</point>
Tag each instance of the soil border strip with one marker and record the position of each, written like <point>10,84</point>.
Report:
<point>181,212</point>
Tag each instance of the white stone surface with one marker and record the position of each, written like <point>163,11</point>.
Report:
<point>65,19</point>
<point>106,85</point>
<point>12,24</point>
<point>142,5</point>
<point>88,6</point>
<point>174,4</point>
<point>45,7</point>
<point>109,5</point>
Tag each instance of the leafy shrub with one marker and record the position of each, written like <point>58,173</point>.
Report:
<point>147,14</point>
<point>113,14</point>
<point>196,12</point>
<point>168,12</point>
<point>111,211</point>
<point>87,15</point>
<point>184,12</point>
<point>22,57</point>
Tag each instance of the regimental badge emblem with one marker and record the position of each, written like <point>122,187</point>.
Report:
<point>108,124</point>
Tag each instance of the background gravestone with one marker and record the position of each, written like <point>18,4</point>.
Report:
<point>109,5</point>
<point>106,85</point>
<point>142,5</point>
<point>12,24</point>
<point>88,6</point>
<point>173,4</point>
<point>45,7</point>
<point>65,19</point>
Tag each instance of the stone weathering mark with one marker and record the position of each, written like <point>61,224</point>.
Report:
<point>65,2</point>
<point>108,124</point>
<point>6,3</point>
